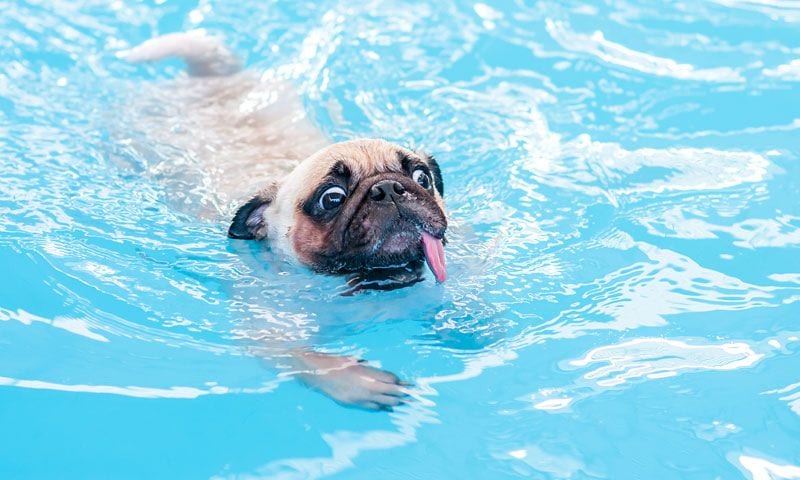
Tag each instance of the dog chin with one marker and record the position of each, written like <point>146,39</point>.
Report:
<point>385,278</point>
<point>397,251</point>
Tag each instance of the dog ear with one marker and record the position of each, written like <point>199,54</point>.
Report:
<point>249,223</point>
<point>437,172</point>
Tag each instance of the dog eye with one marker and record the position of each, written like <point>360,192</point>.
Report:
<point>422,178</point>
<point>332,198</point>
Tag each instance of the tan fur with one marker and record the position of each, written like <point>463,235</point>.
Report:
<point>363,157</point>
<point>308,238</point>
<point>222,138</point>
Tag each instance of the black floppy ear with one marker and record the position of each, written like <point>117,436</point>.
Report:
<point>249,222</point>
<point>437,172</point>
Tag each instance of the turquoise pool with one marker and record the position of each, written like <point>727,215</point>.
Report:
<point>623,298</point>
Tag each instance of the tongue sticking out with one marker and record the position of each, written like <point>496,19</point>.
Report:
<point>434,255</point>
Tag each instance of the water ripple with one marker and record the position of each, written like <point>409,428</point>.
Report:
<point>622,184</point>
<point>611,52</point>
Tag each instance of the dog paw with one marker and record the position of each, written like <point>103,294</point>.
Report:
<point>352,382</point>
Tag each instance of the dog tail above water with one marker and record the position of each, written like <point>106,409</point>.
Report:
<point>205,55</point>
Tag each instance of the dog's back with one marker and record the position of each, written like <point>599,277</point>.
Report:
<point>219,132</point>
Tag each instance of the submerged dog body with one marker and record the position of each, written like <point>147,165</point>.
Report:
<point>363,207</point>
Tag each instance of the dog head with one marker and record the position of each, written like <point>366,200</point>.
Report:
<point>354,206</point>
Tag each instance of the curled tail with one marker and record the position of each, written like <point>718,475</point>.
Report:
<point>205,55</point>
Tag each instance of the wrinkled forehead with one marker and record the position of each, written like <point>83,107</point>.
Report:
<point>360,158</point>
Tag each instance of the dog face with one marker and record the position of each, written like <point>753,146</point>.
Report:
<point>352,207</point>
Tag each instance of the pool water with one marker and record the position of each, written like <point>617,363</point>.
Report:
<point>623,297</point>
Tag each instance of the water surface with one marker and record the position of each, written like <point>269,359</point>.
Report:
<point>624,285</point>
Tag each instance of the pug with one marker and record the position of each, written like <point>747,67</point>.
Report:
<point>368,209</point>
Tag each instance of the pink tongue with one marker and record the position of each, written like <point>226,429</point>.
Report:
<point>434,255</point>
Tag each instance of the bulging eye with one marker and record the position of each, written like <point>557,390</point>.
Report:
<point>422,178</point>
<point>332,198</point>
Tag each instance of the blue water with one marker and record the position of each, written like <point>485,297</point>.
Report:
<point>624,292</point>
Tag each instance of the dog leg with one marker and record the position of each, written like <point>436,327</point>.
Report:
<point>349,381</point>
<point>205,55</point>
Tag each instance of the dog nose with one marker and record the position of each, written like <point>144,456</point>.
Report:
<point>386,191</point>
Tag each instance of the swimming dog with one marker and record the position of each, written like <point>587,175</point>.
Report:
<point>366,208</point>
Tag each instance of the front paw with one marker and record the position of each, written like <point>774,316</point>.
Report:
<point>351,382</point>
